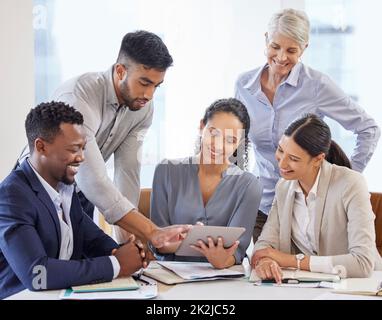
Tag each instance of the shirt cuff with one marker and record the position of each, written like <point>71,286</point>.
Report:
<point>116,266</point>
<point>321,264</point>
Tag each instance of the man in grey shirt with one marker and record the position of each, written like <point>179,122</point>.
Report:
<point>117,109</point>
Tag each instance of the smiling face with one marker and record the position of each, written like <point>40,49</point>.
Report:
<point>135,85</point>
<point>59,160</point>
<point>294,162</point>
<point>221,136</point>
<point>282,54</point>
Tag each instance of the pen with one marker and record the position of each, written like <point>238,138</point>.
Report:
<point>139,278</point>
<point>289,281</point>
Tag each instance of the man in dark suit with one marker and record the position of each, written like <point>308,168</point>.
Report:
<point>46,241</point>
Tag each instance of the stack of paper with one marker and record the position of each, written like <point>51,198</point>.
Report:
<point>173,272</point>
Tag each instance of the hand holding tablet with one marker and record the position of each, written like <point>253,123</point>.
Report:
<point>229,235</point>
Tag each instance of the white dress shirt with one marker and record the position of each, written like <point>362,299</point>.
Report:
<point>62,201</point>
<point>303,233</point>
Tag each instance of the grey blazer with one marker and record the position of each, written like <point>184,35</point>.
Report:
<point>344,224</point>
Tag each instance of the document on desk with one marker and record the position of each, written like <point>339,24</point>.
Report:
<point>147,289</point>
<point>198,270</point>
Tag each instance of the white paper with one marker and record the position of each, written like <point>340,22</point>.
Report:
<point>197,270</point>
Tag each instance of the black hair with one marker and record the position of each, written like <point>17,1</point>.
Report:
<point>313,135</point>
<point>45,119</point>
<point>145,48</point>
<point>237,108</point>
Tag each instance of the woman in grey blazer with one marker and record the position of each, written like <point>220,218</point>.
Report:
<point>209,188</point>
<point>321,218</point>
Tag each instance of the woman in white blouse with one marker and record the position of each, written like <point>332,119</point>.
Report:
<point>321,218</point>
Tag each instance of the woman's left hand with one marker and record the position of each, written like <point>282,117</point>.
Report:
<point>283,259</point>
<point>217,255</point>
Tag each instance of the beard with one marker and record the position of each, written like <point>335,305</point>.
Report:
<point>127,100</point>
<point>66,180</point>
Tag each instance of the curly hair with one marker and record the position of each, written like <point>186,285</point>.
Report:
<point>237,108</point>
<point>45,119</point>
<point>145,48</point>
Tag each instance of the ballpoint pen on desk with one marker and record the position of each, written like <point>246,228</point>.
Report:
<point>138,276</point>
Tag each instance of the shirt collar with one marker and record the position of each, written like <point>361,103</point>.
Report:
<point>294,75</point>
<point>297,188</point>
<point>53,194</point>
<point>111,96</point>
<point>250,85</point>
<point>292,79</point>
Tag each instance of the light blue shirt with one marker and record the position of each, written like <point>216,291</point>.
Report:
<point>62,201</point>
<point>304,91</point>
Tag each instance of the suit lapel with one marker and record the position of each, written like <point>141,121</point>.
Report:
<point>286,219</point>
<point>42,195</point>
<point>322,191</point>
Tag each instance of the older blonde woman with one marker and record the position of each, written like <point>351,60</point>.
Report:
<point>283,89</point>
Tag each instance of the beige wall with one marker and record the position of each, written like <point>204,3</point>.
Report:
<point>16,77</point>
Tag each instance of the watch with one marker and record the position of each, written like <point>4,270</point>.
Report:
<point>299,258</point>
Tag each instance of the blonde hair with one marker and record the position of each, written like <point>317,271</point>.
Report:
<point>291,23</point>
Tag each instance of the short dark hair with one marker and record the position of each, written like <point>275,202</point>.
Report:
<point>313,135</point>
<point>45,119</point>
<point>238,109</point>
<point>145,48</point>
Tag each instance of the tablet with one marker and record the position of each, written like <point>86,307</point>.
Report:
<point>229,235</point>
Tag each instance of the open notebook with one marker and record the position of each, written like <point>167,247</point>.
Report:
<point>173,272</point>
<point>293,275</point>
<point>360,286</point>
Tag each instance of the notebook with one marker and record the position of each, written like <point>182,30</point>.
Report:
<point>296,276</point>
<point>174,272</point>
<point>119,284</point>
<point>147,289</point>
<point>360,286</point>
